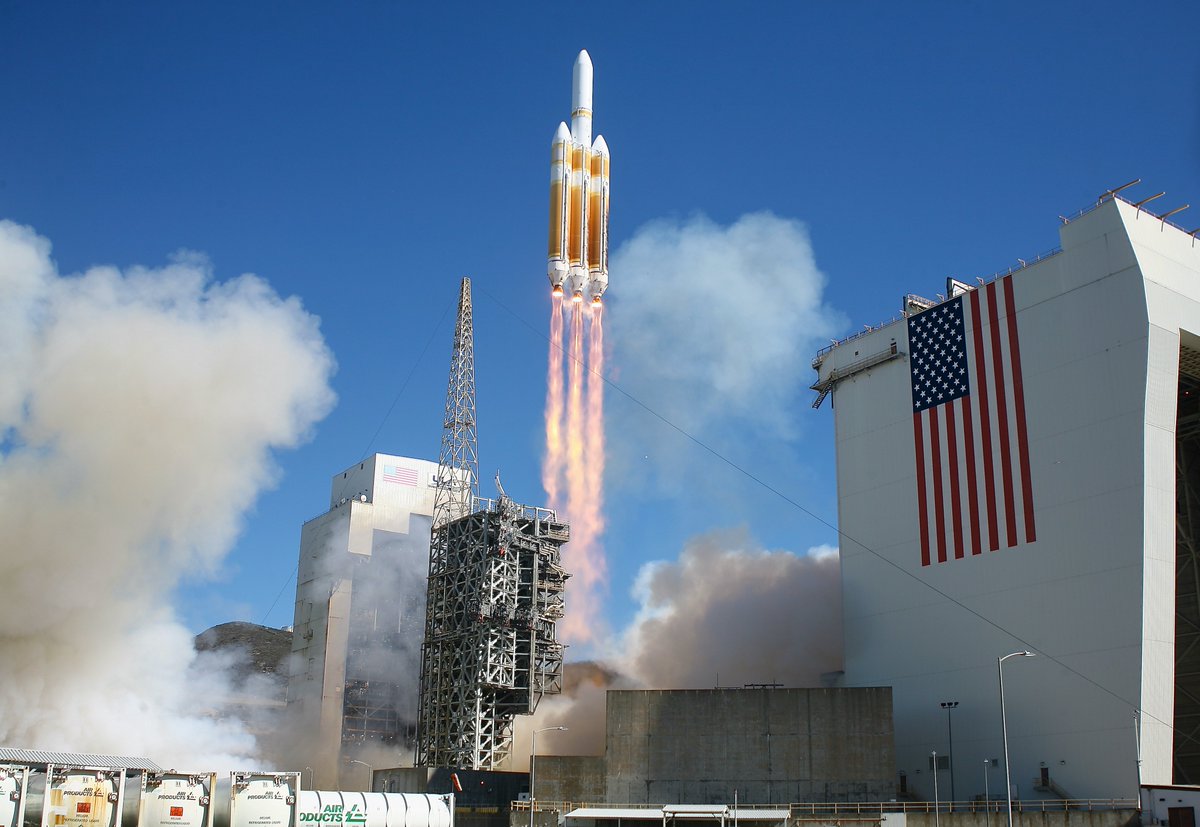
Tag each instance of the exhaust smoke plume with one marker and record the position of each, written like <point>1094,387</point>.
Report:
<point>725,613</point>
<point>137,419</point>
<point>730,613</point>
<point>715,329</point>
<point>574,459</point>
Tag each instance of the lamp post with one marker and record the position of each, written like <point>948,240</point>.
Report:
<point>949,707</point>
<point>987,799</point>
<point>1004,728</point>
<point>936,806</point>
<point>370,769</point>
<point>533,765</point>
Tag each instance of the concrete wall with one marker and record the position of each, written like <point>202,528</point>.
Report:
<point>771,745</point>
<point>575,778</point>
<point>1052,818</point>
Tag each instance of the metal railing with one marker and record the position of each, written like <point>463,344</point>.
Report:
<point>993,806</point>
<point>868,810</point>
<point>1023,263</point>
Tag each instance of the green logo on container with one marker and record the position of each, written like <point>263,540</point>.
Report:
<point>336,814</point>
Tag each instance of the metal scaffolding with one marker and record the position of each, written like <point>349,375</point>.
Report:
<point>458,461</point>
<point>490,653</point>
<point>495,593</point>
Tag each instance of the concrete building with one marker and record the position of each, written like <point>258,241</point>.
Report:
<point>1040,500</point>
<point>360,612</point>
<point>697,747</point>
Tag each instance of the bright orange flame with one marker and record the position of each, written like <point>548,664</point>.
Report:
<point>585,554</point>
<point>552,463</point>
<point>574,458</point>
<point>594,434</point>
<point>576,491</point>
<point>577,298</point>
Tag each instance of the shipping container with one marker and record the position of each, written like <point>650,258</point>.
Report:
<point>82,797</point>
<point>353,809</point>
<point>172,799</point>
<point>262,799</point>
<point>13,783</point>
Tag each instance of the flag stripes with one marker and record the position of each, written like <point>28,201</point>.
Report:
<point>969,430</point>
<point>399,475</point>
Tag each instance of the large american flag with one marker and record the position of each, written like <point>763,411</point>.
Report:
<point>972,448</point>
<point>398,474</point>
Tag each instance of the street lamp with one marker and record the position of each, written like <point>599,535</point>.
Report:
<point>370,769</point>
<point>987,799</point>
<point>533,765</point>
<point>1004,727</point>
<point>936,806</point>
<point>949,707</point>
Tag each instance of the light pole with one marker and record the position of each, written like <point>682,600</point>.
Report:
<point>987,799</point>
<point>936,806</point>
<point>949,707</point>
<point>370,769</point>
<point>533,765</point>
<point>1004,727</point>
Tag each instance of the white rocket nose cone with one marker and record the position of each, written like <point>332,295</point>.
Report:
<point>562,135</point>
<point>582,92</point>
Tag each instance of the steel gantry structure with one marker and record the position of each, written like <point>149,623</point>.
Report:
<point>495,594</point>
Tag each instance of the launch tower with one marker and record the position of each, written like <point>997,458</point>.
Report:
<point>494,596</point>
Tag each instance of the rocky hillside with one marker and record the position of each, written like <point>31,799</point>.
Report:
<point>255,649</point>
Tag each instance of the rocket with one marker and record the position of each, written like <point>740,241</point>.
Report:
<point>577,263</point>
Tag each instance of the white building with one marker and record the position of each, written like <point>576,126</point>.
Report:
<point>360,615</point>
<point>1036,511</point>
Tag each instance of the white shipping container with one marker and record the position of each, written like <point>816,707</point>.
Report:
<point>263,799</point>
<point>353,809</point>
<point>82,797</point>
<point>13,782</point>
<point>176,800</point>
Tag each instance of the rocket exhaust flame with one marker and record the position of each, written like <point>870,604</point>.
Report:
<point>594,429</point>
<point>576,487</point>
<point>574,459</point>
<point>552,464</point>
<point>578,263</point>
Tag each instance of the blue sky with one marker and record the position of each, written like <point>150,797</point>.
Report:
<point>365,156</point>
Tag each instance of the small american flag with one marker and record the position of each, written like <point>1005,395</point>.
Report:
<point>397,474</point>
<point>972,449</point>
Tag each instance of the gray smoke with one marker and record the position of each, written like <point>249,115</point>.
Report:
<point>725,613</point>
<point>580,708</point>
<point>729,613</point>
<point>138,415</point>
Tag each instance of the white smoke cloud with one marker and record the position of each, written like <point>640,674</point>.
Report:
<point>713,326</point>
<point>730,613</point>
<point>137,419</point>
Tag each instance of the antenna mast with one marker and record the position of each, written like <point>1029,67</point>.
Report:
<point>494,596</point>
<point>458,463</point>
